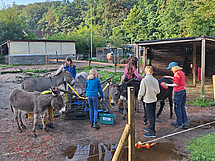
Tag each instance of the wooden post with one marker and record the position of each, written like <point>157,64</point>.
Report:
<point>120,147</point>
<point>115,63</point>
<point>131,122</point>
<point>56,58</point>
<point>194,65</point>
<point>203,69</point>
<point>89,60</point>
<point>213,77</point>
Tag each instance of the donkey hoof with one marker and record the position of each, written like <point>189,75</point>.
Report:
<point>34,135</point>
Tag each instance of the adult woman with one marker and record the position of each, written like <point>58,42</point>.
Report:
<point>179,94</point>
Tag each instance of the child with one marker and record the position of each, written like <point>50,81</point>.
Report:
<point>92,87</point>
<point>179,94</point>
<point>68,66</point>
<point>149,88</point>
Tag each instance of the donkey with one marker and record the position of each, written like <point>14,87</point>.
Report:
<point>44,83</point>
<point>33,103</point>
<point>120,91</point>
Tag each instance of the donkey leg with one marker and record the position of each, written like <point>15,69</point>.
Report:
<point>35,125</point>
<point>124,110</point>
<point>44,119</point>
<point>162,103</point>
<point>17,119</point>
<point>170,105</point>
<point>20,120</point>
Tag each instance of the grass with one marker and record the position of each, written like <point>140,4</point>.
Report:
<point>36,71</point>
<point>202,148</point>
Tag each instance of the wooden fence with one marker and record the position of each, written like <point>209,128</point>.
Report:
<point>129,131</point>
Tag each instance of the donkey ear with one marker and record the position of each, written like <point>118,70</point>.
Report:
<point>53,92</point>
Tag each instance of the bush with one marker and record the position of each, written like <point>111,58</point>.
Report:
<point>202,148</point>
<point>201,102</point>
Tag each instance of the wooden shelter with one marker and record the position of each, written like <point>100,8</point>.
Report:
<point>190,53</point>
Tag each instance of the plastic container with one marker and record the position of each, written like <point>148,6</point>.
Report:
<point>105,118</point>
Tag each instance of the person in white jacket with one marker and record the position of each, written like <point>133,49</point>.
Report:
<point>149,88</point>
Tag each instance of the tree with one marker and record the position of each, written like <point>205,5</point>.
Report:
<point>199,18</point>
<point>12,25</point>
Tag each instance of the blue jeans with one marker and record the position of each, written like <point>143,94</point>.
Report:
<point>150,112</point>
<point>93,111</point>
<point>179,107</point>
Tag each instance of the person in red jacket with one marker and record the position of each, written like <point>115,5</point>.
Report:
<point>179,95</point>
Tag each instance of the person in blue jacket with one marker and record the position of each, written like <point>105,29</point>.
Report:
<point>93,88</point>
<point>70,67</point>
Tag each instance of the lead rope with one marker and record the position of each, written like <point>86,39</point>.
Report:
<point>146,144</point>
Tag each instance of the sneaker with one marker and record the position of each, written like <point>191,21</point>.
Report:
<point>50,125</point>
<point>185,126</point>
<point>40,126</point>
<point>149,135</point>
<point>95,125</point>
<point>176,125</point>
<point>91,124</point>
<point>146,129</point>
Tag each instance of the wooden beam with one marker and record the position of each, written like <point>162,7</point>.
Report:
<point>203,69</point>
<point>120,147</point>
<point>144,59</point>
<point>131,122</point>
<point>213,77</point>
<point>194,65</point>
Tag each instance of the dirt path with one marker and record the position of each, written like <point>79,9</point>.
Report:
<point>68,137</point>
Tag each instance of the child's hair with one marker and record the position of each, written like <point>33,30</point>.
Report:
<point>92,74</point>
<point>148,69</point>
<point>175,68</point>
<point>132,63</point>
<point>69,59</point>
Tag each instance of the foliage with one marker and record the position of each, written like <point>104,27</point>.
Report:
<point>11,25</point>
<point>113,22</point>
<point>202,148</point>
<point>201,102</point>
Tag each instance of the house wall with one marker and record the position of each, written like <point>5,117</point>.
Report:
<point>34,52</point>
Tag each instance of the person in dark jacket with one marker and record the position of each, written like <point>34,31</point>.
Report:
<point>93,89</point>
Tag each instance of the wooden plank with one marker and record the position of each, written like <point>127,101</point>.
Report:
<point>131,122</point>
<point>120,147</point>
<point>203,69</point>
<point>194,65</point>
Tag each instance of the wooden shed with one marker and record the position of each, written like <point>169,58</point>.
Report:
<point>36,51</point>
<point>190,53</point>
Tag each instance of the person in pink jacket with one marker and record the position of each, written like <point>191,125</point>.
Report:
<point>131,70</point>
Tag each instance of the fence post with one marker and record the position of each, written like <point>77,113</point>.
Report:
<point>214,86</point>
<point>131,122</point>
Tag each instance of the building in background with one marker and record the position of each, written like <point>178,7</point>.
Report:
<point>35,51</point>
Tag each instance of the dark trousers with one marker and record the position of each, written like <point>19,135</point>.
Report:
<point>179,107</point>
<point>150,111</point>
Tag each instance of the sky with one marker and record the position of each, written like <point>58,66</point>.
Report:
<point>23,2</point>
